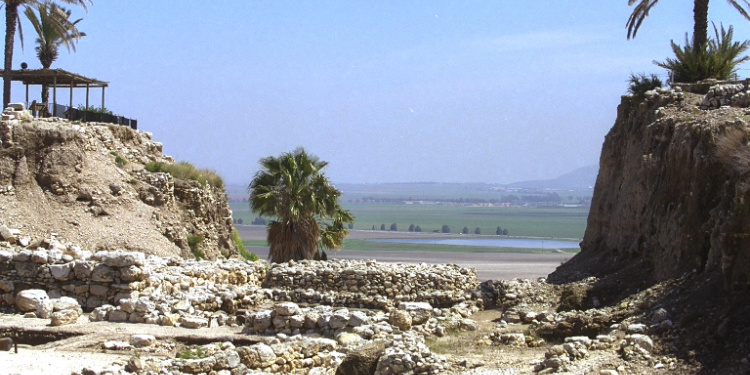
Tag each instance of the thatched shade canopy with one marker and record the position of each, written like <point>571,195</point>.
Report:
<point>55,78</point>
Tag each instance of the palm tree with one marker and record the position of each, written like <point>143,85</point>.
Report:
<point>50,37</point>
<point>11,20</point>
<point>293,189</point>
<point>700,17</point>
<point>719,59</point>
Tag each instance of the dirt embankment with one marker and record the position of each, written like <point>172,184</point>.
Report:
<point>86,184</point>
<point>671,200</point>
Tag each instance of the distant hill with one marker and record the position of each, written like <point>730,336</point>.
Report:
<point>580,179</point>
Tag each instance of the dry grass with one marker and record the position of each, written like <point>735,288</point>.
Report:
<point>187,171</point>
<point>733,151</point>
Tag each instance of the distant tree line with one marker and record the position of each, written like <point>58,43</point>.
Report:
<point>540,199</point>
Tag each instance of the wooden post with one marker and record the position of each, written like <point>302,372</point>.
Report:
<point>54,94</point>
<point>70,107</point>
<point>87,96</point>
<point>27,96</point>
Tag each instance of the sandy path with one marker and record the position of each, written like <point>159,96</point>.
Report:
<point>489,266</point>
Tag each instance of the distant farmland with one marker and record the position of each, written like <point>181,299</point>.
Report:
<point>556,222</point>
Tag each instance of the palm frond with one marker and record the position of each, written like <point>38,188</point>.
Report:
<point>742,7</point>
<point>640,12</point>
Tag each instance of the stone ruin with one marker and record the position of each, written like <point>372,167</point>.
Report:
<point>309,314</point>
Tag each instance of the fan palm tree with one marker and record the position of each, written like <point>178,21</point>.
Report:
<point>308,218</point>
<point>50,37</point>
<point>11,20</point>
<point>700,17</point>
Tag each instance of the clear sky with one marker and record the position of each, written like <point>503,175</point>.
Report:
<point>385,91</point>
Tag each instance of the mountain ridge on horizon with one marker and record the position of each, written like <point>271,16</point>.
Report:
<point>578,179</point>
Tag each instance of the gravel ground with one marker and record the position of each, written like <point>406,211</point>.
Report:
<point>489,266</point>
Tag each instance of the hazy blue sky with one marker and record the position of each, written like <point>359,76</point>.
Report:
<point>386,91</point>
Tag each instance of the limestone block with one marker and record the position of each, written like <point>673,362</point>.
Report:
<point>142,341</point>
<point>131,273</point>
<point>103,274</point>
<point>144,305</point>
<point>257,356</point>
<point>358,318</point>
<point>348,340</point>
<point>286,308</point>
<point>83,270</point>
<point>61,271</point>
<point>227,360</point>
<point>261,321</point>
<point>22,256</point>
<point>181,305</point>
<point>66,303</point>
<point>339,319</point>
<point>5,233</point>
<point>643,341</point>
<point>137,317</point>
<point>5,256</point>
<point>193,322</point>
<point>35,300</point>
<point>420,311</point>
<point>121,259</point>
<point>7,286</point>
<point>297,321</point>
<point>127,305</point>
<point>99,290</point>
<point>64,317</point>
<point>401,319</point>
<point>93,302</point>
<point>39,256</point>
<point>6,344</point>
<point>16,107</point>
<point>169,320</point>
<point>198,366</point>
<point>116,345</point>
<point>117,316</point>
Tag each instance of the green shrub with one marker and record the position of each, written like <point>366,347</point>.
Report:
<point>241,247</point>
<point>93,109</point>
<point>187,171</point>
<point>641,83</point>
<point>119,160</point>
<point>719,59</point>
<point>196,353</point>
<point>193,242</point>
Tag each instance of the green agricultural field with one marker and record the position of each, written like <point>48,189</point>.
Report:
<point>520,221</point>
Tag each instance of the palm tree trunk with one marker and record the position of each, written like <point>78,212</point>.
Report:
<point>11,18</point>
<point>700,24</point>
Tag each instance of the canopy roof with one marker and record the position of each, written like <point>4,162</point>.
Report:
<point>54,77</point>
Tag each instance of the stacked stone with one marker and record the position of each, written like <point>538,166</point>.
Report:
<point>371,284</point>
<point>16,112</point>
<point>288,318</point>
<point>661,97</point>
<point>298,357</point>
<point>407,353</point>
<point>734,94</point>
<point>36,303</point>
<point>107,278</point>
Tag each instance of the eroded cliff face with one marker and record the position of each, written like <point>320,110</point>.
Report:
<point>86,184</point>
<point>671,196</point>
